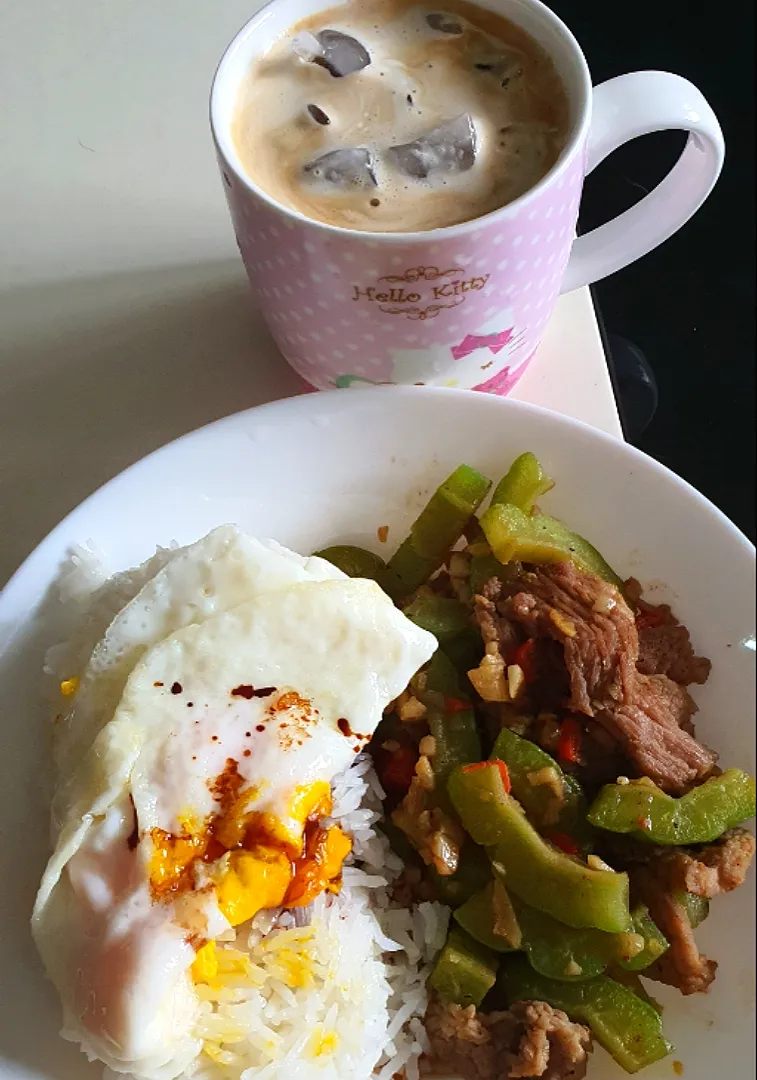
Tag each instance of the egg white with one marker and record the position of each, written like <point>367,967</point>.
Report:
<point>223,569</point>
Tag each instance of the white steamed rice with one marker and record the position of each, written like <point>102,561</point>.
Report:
<point>341,997</point>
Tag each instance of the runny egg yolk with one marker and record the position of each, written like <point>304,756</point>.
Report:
<point>255,860</point>
<point>173,858</point>
<point>205,964</point>
<point>249,881</point>
<point>236,827</point>
<point>240,826</point>
<point>319,867</point>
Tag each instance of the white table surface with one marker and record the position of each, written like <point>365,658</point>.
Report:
<point>125,319</point>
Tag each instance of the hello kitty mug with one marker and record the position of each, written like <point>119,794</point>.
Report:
<point>466,305</point>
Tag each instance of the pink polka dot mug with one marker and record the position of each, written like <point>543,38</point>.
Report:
<point>465,305</point>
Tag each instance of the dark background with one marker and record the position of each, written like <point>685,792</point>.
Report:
<point>689,306</point>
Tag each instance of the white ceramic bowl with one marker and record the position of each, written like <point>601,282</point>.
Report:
<point>334,467</point>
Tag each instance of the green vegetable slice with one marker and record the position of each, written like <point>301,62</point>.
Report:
<point>697,908</point>
<point>465,652</point>
<point>356,562</point>
<point>482,569</point>
<point>522,484</point>
<point>464,972</point>
<point>439,526</point>
<point>442,676</point>
<point>631,980</point>
<point>629,1028</point>
<point>558,951</point>
<point>443,617</point>
<point>452,725</point>
<point>655,942</point>
<point>514,536</point>
<point>538,873</point>
<point>548,811</point>
<point>476,917</point>
<point>645,812</point>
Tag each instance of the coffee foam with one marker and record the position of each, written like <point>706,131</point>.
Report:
<point>417,80</point>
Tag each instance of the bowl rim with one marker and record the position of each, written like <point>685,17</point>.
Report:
<point>27,588</point>
<point>14,610</point>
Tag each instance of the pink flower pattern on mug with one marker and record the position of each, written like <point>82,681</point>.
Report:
<point>503,382</point>
<point>471,342</point>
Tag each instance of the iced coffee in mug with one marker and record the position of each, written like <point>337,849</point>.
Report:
<point>404,181</point>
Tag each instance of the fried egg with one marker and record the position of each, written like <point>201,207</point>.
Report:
<point>223,569</point>
<point>195,788</point>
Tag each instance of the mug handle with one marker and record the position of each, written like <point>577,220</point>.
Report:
<point>623,109</point>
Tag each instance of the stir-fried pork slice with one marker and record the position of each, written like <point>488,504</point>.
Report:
<point>530,1040</point>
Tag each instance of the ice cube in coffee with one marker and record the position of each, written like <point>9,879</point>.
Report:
<point>349,167</point>
<point>449,148</point>
<point>444,23</point>
<point>398,116</point>
<point>340,54</point>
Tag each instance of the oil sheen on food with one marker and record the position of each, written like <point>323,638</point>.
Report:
<point>391,116</point>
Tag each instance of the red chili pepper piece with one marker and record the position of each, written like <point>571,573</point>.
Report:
<point>399,770</point>
<point>525,657</point>
<point>569,744</point>
<point>564,843</point>
<point>454,705</point>
<point>503,772</point>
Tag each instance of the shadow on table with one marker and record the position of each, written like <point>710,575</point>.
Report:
<point>105,370</point>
